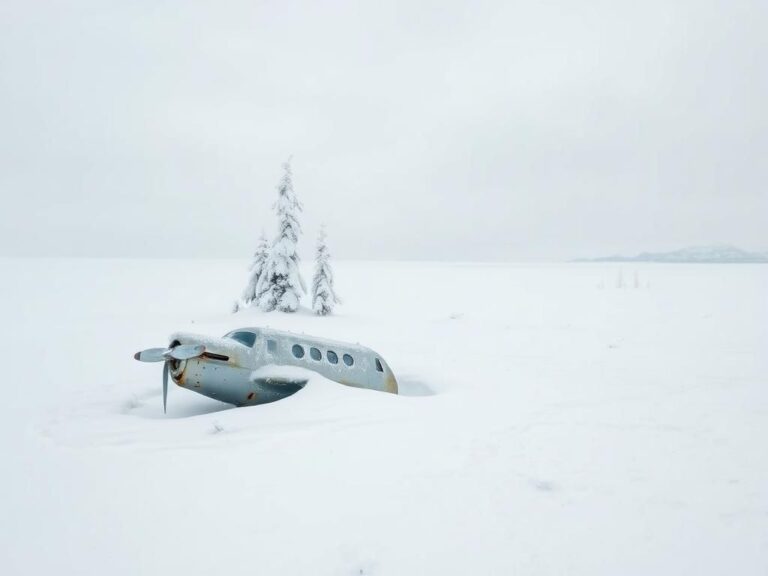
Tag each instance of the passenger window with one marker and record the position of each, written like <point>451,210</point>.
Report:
<point>378,365</point>
<point>315,354</point>
<point>298,351</point>
<point>272,346</point>
<point>348,360</point>
<point>332,358</point>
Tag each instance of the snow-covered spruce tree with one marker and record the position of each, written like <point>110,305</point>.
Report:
<point>323,295</point>
<point>257,269</point>
<point>280,286</point>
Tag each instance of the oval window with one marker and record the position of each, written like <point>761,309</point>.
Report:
<point>315,353</point>
<point>348,360</point>
<point>298,351</point>
<point>332,358</point>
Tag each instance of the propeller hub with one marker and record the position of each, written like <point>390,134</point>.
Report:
<point>174,359</point>
<point>177,368</point>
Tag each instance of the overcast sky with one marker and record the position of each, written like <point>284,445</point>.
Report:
<point>496,130</point>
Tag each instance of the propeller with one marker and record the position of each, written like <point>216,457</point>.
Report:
<point>166,355</point>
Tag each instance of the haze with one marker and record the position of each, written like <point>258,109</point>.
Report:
<point>419,130</point>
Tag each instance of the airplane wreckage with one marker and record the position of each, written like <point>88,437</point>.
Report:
<point>251,366</point>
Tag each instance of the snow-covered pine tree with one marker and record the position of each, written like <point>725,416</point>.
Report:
<point>281,285</point>
<point>257,269</point>
<point>323,295</point>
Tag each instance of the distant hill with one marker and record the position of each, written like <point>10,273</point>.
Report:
<point>702,254</point>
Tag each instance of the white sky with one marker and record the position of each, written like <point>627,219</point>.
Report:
<point>489,130</point>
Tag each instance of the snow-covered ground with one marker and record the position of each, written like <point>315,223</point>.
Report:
<point>551,423</point>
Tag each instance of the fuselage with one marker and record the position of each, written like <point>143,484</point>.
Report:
<point>258,365</point>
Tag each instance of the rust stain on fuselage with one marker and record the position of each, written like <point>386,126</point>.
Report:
<point>390,384</point>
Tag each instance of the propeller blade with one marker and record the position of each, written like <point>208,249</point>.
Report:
<point>186,351</point>
<point>151,355</point>
<point>166,369</point>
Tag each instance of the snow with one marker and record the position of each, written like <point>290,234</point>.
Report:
<point>553,424</point>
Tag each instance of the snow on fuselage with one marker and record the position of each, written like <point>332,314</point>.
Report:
<point>258,365</point>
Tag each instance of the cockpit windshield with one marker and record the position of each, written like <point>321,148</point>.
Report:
<point>246,338</point>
